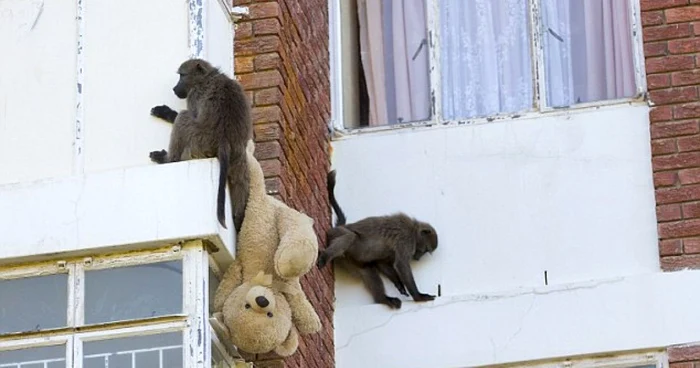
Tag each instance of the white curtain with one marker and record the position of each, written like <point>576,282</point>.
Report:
<point>394,53</point>
<point>485,57</point>
<point>588,51</point>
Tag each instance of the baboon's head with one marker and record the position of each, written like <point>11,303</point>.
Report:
<point>192,72</point>
<point>427,240</point>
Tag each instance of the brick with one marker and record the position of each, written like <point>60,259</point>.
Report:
<point>660,4</point>
<point>691,246</point>
<point>668,212</point>
<point>679,229</point>
<point>671,247</point>
<point>652,18</point>
<point>686,144</point>
<point>683,46</point>
<point>267,132</point>
<point>665,179</point>
<point>681,365</point>
<point>669,63</point>
<point>673,95</point>
<point>676,195</point>
<point>243,30</point>
<point>267,150</point>
<point>679,161</point>
<point>271,167</point>
<point>257,45</point>
<point>674,129</point>
<point>266,26</point>
<point>264,10</point>
<point>683,353</point>
<point>677,263</point>
<point>686,111</point>
<point>684,78</point>
<point>244,64</point>
<point>661,113</point>
<point>266,114</point>
<point>689,176</point>
<point>267,61</point>
<point>258,80</point>
<point>691,210</point>
<point>656,81</point>
<point>655,49</point>
<point>696,27</point>
<point>684,14</point>
<point>667,32</point>
<point>663,146</point>
<point>268,96</point>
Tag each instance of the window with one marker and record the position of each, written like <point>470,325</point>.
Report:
<point>651,359</point>
<point>435,61</point>
<point>140,309</point>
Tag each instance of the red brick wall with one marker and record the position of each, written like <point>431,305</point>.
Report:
<point>282,60</point>
<point>686,356</point>
<point>672,50</point>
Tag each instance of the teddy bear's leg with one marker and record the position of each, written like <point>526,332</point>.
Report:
<point>289,346</point>
<point>303,313</point>
<point>298,246</point>
<point>231,279</point>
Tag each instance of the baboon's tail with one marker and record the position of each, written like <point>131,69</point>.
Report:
<point>223,156</point>
<point>330,179</point>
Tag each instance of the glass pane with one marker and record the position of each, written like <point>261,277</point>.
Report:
<point>587,51</point>
<point>33,303</point>
<point>213,285</point>
<point>44,357</point>
<point>152,351</point>
<point>217,358</point>
<point>485,57</point>
<point>394,74</point>
<point>125,293</point>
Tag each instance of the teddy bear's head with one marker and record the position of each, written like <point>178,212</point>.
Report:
<point>259,319</point>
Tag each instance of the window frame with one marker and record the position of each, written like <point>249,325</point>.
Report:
<point>539,108</point>
<point>657,357</point>
<point>193,322</point>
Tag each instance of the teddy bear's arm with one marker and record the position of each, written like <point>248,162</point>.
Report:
<point>231,279</point>
<point>303,313</point>
<point>289,345</point>
<point>298,246</point>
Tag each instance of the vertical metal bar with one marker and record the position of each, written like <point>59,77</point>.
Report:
<point>433,21</point>
<point>79,294</point>
<point>78,136</point>
<point>637,46</point>
<point>537,55</point>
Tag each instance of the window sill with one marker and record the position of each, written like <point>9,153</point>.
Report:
<point>339,133</point>
<point>139,207</point>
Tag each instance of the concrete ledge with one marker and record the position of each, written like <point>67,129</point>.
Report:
<point>135,207</point>
<point>628,313</point>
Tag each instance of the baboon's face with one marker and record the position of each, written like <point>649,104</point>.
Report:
<point>427,243</point>
<point>191,71</point>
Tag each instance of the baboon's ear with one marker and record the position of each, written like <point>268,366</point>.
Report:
<point>200,67</point>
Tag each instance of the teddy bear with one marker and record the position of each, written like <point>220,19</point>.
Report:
<point>260,302</point>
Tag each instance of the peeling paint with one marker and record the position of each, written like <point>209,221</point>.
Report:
<point>196,20</point>
<point>78,137</point>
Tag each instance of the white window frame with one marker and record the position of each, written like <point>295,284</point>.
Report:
<point>539,107</point>
<point>193,322</point>
<point>657,357</point>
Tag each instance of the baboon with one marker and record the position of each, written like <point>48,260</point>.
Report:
<point>217,123</point>
<point>381,244</point>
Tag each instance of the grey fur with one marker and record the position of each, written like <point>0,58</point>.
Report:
<point>381,244</point>
<point>217,123</point>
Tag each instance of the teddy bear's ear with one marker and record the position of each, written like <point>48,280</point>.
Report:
<point>289,346</point>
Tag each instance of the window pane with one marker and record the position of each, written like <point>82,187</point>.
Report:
<point>217,358</point>
<point>125,293</point>
<point>394,82</point>
<point>48,356</point>
<point>33,303</point>
<point>485,57</point>
<point>587,51</point>
<point>152,351</point>
<point>213,285</point>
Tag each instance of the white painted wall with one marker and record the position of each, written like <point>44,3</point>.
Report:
<point>569,193</point>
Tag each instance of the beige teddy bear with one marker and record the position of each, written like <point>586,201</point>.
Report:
<point>259,300</point>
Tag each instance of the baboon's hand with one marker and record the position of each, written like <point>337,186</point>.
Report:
<point>164,112</point>
<point>322,260</point>
<point>401,289</point>
<point>158,156</point>
<point>424,297</point>
<point>393,303</point>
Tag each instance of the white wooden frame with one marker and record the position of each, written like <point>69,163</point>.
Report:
<point>193,322</point>
<point>658,358</point>
<point>539,108</point>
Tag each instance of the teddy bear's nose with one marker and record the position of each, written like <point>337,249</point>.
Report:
<point>262,301</point>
